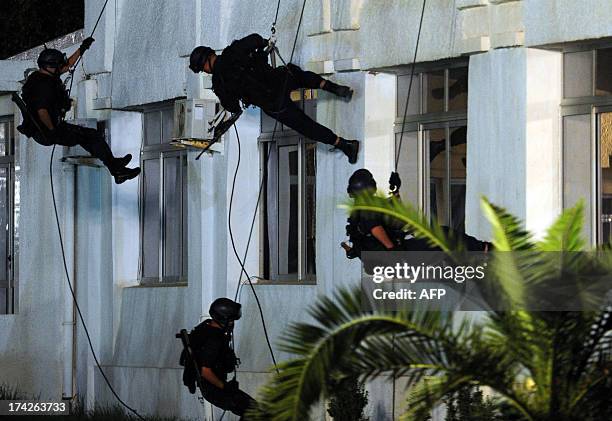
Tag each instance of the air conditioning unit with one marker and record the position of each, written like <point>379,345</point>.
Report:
<point>192,119</point>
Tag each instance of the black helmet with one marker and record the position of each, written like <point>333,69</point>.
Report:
<point>361,180</point>
<point>198,57</point>
<point>224,311</point>
<point>50,57</point>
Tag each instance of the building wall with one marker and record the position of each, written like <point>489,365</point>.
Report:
<point>30,341</point>
<point>140,56</point>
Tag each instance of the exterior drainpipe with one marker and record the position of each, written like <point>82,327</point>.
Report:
<point>69,323</point>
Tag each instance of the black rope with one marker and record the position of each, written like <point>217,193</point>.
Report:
<point>76,63</point>
<point>242,262</point>
<point>61,240</point>
<point>264,178</point>
<point>416,50</point>
<point>261,185</point>
<point>273,29</point>
<point>76,303</point>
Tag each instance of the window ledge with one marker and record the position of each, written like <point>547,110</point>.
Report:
<point>284,282</point>
<point>160,285</point>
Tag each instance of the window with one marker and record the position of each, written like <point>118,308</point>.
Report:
<point>163,234</point>
<point>9,216</point>
<point>587,139</point>
<point>433,150</point>
<point>289,198</point>
<point>587,73</point>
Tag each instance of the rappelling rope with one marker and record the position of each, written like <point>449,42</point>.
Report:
<point>416,50</point>
<point>399,149</point>
<point>273,28</point>
<point>61,240</point>
<point>261,185</point>
<point>81,56</point>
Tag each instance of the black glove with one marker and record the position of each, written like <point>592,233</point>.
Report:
<point>231,386</point>
<point>86,44</point>
<point>50,135</point>
<point>395,182</point>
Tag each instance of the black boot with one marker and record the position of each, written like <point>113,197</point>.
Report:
<point>339,90</point>
<point>350,149</point>
<point>124,174</point>
<point>123,161</point>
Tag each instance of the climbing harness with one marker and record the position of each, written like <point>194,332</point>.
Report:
<point>392,187</point>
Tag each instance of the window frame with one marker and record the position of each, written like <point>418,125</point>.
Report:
<point>284,136</point>
<point>160,152</point>
<point>591,106</point>
<point>591,100</point>
<point>8,161</point>
<point>420,70</point>
<point>420,123</point>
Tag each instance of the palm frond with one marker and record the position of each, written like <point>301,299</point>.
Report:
<point>414,220</point>
<point>508,234</point>
<point>565,234</point>
<point>539,362</point>
<point>322,350</point>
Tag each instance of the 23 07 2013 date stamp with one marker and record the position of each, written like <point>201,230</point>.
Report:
<point>8,408</point>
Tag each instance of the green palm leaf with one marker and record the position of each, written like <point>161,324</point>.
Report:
<point>414,220</point>
<point>547,365</point>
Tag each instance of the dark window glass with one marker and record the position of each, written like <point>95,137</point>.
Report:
<point>447,175</point>
<point>433,91</point>
<point>289,208</point>
<point>438,206</point>
<point>152,128</point>
<point>458,174</point>
<point>172,217</point>
<point>167,117</point>
<point>603,84</point>
<point>458,89</point>
<point>5,130</point>
<point>151,218</point>
<point>605,144</point>
<point>311,228</point>
<point>9,204</point>
<point>403,83</point>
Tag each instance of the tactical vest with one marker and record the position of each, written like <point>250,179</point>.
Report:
<point>244,77</point>
<point>226,363</point>
<point>365,241</point>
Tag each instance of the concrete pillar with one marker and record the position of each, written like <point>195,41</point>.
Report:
<point>513,136</point>
<point>543,139</point>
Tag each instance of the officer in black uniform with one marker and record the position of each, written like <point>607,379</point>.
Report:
<point>211,342</point>
<point>373,231</point>
<point>242,73</point>
<point>48,101</point>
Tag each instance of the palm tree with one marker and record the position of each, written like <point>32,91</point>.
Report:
<point>541,365</point>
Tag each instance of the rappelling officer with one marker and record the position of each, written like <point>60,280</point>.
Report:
<point>211,341</point>
<point>48,101</point>
<point>242,74</point>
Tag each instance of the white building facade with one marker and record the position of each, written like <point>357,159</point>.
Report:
<point>523,86</point>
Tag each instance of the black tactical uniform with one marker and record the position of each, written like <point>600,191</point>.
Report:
<point>242,74</point>
<point>46,91</point>
<point>212,349</point>
<point>361,223</point>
